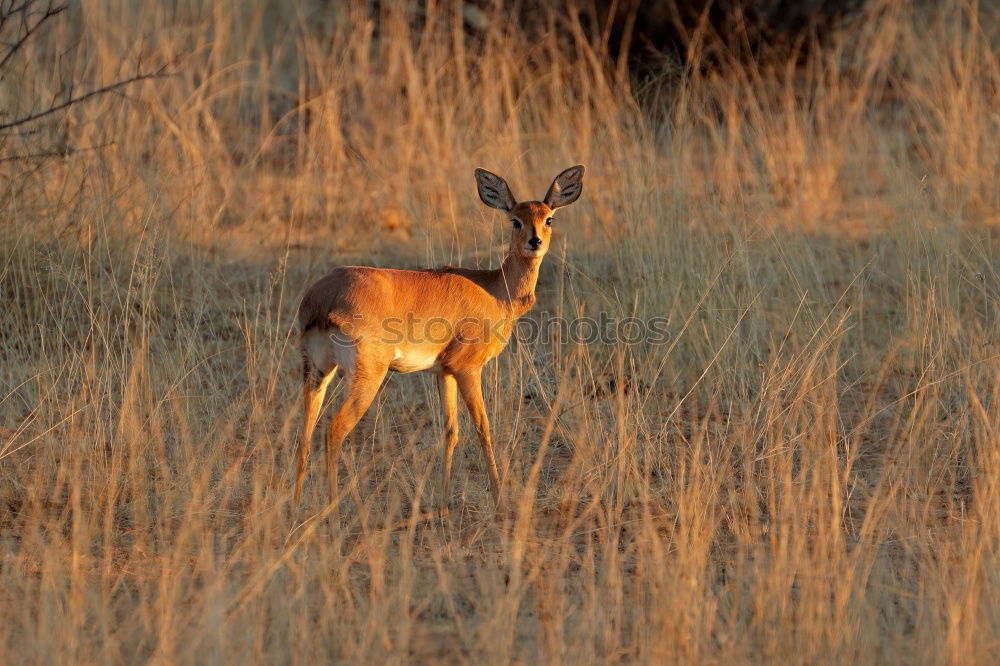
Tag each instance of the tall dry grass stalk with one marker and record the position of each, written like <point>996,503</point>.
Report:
<point>808,472</point>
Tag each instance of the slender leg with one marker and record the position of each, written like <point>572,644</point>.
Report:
<point>367,378</point>
<point>449,409</point>
<point>314,385</point>
<point>470,386</point>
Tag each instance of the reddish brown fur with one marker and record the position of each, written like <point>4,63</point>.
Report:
<point>364,314</point>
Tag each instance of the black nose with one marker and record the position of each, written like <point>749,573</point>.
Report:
<point>535,243</point>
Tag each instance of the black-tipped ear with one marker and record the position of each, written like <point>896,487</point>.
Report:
<point>493,190</point>
<point>566,188</point>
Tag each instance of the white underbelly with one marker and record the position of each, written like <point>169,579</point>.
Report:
<point>413,359</point>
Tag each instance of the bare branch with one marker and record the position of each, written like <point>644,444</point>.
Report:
<point>65,152</point>
<point>29,30</point>
<point>160,73</point>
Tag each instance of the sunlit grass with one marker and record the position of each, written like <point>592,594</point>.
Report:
<point>808,471</point>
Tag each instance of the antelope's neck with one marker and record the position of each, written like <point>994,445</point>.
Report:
<point>515,287</point>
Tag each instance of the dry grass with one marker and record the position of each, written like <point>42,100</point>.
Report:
<point>809,471</point>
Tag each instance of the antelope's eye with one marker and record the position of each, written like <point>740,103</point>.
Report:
<point>517,222</point>
<point>548,222</point>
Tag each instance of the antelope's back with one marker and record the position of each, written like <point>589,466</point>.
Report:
<point>362,296</point>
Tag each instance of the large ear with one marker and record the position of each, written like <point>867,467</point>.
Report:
<point>566,188</point>
<point>494,191</point>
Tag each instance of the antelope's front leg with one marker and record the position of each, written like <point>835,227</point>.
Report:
<point>447,389</point>
<point>470,386</point>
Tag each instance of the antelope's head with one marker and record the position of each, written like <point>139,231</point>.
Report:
<point>531,221</point>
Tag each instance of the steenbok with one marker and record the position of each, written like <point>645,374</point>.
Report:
<point>451,321</point>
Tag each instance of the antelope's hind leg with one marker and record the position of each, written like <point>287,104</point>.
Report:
<point>314,385</point>
<point>365,380</point>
